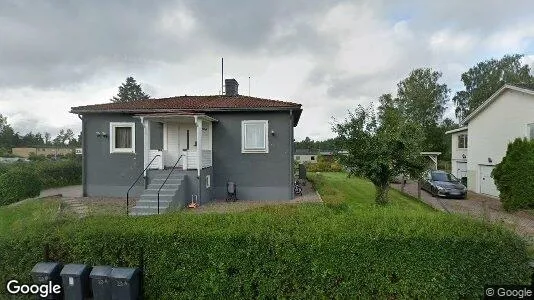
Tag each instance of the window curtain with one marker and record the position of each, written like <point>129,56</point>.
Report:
<point>123,137</point>
<point>255,136</point>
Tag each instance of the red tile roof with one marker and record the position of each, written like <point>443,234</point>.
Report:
<point>189,103</point>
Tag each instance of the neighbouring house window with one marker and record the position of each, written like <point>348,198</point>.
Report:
<point>462,141</point>
<point>313,158</point>
<point>122,137</point>
<point>208,181</point>
<point>531,131</point>
<point>254,136</point>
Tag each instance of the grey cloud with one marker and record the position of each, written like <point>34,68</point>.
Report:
<point>49,42</point>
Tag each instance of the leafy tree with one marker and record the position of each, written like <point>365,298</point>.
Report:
<point>422,99</point>
<point>47,138</point>
<point>484,79</point>
<point>380,149</point>
<point>130,91</point>
<point>307,143</point>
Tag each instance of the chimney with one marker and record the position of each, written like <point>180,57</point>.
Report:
<point>230,87</point>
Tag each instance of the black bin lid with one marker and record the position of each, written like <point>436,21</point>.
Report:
<point>124,273</point>
<point>74,269</point>
<point>100,271</point>
<point>46,268</point>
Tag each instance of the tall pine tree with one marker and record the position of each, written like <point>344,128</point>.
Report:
<point>130,91</point>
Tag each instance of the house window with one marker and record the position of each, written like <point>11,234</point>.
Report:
<point>530,131</point>
<point>122,137</point>
<point>313,158</point>
<point>462,141</point>
<point>208,181</point>
<point>254,136</point>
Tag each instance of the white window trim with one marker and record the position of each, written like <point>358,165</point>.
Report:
<point>465,144</point>
<point>208,181</point>
<point>266,136</point>
<point>112,126</point>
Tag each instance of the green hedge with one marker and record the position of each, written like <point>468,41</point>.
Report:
<point>514,176</point>
<point>59,173</point>
<point>16,185</point>
<point>324,165</point>
<point>285,252</point>
<point>52,173</point>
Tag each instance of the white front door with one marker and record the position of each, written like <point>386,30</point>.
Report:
<point>188,139</point>
<point>461,171</point>
<point>487,185</point>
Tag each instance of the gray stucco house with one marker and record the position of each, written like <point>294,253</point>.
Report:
<point>211,139</point>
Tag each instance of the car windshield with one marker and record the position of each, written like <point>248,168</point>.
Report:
<point>442,176</point>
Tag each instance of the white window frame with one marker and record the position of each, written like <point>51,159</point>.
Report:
<point>528,131</point>
<point>112,126</point>
<point>208,181</point>
<point>265,123</point>
<point>465,141</point>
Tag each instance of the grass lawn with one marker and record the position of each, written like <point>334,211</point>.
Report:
<point>359,194</point>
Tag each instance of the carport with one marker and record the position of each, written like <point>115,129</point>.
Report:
<point>433,156</point>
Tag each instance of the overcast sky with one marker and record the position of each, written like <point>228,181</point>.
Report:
<point>327,55</point>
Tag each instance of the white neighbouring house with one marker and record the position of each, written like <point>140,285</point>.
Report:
<point>482,141</point>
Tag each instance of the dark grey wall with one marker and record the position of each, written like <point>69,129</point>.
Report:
<point>190,185</point>
<point>258,176</point>
<point>110,174</point>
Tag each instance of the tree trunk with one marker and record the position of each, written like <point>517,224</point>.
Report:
<point>382,194</point>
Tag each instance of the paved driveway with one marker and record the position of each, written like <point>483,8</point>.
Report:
<point>478,206</point>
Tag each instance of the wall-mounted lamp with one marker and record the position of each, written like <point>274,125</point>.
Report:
<point>272,132</point>
<point>490,160</point>
<point>101,134</point>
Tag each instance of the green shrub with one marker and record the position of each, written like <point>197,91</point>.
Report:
<point>514,176</point>
<point>324,165</point>
<point>16,185</point>
<point>36,157</point>
<point>59,173</point>
<point>285,252</point>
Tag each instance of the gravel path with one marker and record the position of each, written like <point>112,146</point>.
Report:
<point>478,206</point>
<point>309,195</point>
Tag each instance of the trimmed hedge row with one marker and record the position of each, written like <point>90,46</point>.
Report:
<point>18,184</point>
<point>286,252</point>
<point>24,180</point>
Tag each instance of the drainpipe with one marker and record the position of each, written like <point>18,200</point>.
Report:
<point>290,154</point>
<point>84,160</point>
<point>198,123</point>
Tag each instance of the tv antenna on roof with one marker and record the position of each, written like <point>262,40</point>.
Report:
<point>222,75</point>
<point>249,86</point>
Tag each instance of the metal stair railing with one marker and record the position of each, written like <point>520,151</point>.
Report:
<point>172,169</point>
<point>137,179</point>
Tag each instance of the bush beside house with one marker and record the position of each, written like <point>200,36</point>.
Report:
<point>514,175</point>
